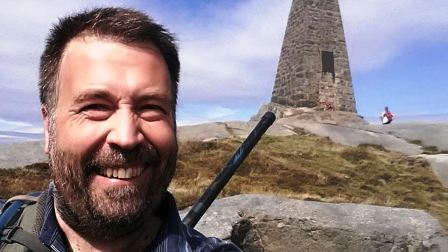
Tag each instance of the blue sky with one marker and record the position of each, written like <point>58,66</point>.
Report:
<point>229,52</point>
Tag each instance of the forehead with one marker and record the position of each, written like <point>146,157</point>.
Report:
<point>97,48</point>
<point>100,61</point>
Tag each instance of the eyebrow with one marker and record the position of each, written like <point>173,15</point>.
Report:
<point>91,94</point>
<point>151,96</point>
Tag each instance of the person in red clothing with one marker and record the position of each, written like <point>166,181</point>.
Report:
<point>386,116</point>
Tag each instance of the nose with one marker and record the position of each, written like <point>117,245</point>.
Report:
<point>125,132</point>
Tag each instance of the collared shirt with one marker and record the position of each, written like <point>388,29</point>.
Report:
<point>173,235</point>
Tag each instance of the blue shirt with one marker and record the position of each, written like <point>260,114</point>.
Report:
<point>173,235</point>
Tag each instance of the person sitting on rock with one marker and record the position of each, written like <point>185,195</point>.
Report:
<point>386,116</point>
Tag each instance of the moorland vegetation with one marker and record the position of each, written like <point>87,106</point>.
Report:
<point>304,166</point>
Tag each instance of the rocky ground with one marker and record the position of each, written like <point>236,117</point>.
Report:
<point>341,127</point>
<point>267,223</point>
<point>257,222</point>
<point>423,139</point>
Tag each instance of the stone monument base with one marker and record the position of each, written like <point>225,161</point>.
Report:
<point>315,114</point>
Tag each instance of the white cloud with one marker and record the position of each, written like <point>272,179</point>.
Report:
<point>18,126</point>
<point>377,31</point>
<point>237,57</point>
<point>7,137</point>
<point>229,59</point>
<point>219,112</point>
<point>24,26</point>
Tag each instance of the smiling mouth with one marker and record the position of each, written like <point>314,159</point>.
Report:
<point>122,173</point>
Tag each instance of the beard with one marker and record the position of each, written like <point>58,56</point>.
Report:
<point>111,212</point>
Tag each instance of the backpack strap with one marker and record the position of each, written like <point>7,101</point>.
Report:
<point>17,235</point>
<point>26,197</point>
<point>17,218</point>
<point>11,211</point>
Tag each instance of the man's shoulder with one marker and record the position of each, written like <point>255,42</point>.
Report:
<point>176,236</point>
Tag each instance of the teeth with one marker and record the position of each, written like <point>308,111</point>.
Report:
<point>109,172</point>
<point>129,173</point>
<point>122,173</point>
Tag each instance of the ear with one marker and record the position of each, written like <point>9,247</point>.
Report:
<point>46,119</point>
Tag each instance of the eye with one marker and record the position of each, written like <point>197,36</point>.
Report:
<point>151,112</point>
<point>97,107</point>
<point>97,111</point>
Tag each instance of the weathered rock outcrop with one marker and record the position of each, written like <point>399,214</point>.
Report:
<point>267,223</point>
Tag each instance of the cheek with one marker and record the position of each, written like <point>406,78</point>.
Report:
<point>162,136</point>
<point>79,138</point>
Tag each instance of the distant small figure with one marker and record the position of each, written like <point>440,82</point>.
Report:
<point>327,106</point>
<point>386,116</point>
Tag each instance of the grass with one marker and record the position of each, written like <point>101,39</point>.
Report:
<point>301,167</point>
<point>22,180</point>
<point>314,168</point>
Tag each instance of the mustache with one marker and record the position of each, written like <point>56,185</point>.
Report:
<point>144,154</point>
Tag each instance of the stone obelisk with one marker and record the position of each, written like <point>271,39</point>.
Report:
<point>313,69</point>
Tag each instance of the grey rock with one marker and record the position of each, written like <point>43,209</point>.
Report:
<point>341,127</point>
<point>431,134</point>
<point>354,137</point>
<point>267,223</point>
<point>439,164</point>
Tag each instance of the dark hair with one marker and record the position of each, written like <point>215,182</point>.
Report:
<point>119,24</point>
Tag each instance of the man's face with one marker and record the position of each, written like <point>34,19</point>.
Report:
<point>111,140</point>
